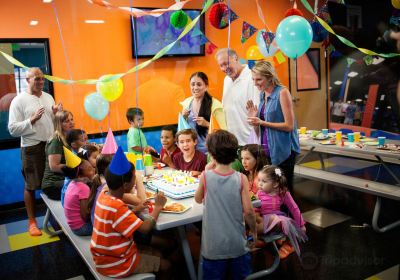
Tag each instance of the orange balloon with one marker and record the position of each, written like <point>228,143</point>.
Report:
<point>253,53</point>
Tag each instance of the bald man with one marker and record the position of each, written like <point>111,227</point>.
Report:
<point>238,89</point>
<point>31,118</point>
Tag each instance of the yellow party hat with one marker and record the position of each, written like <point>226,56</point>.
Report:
<point>71,159</point>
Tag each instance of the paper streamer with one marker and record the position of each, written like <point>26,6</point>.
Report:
<point>139,13</point>
<point>342,39</point>
<point>112,77</point>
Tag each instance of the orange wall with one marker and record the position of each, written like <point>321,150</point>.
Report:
<point>94,50</point>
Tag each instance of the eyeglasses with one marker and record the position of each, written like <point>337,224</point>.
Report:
<point>37,79</point>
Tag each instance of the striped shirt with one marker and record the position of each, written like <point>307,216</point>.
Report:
<point>113,248</point>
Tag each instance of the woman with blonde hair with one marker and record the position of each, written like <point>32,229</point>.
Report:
<point>274,120</point>
<point>53,178</point>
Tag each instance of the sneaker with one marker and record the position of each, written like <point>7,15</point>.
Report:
<point>34,230</point>
<point>285,251</point>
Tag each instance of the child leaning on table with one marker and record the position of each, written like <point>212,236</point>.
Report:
<point>189,159</point>
<point>225,195</point>
<point>112,245</point>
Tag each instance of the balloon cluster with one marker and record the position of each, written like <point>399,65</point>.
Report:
<point>108,89</point>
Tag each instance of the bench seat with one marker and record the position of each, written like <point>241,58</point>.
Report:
<point>81,243</point>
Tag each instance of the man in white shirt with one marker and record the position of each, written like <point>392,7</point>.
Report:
<point>238,89</point>
<point>31,118</point>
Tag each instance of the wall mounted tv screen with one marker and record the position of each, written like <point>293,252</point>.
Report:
<point>154,33</point>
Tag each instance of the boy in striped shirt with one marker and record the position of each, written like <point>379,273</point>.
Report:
<point>112,245</point>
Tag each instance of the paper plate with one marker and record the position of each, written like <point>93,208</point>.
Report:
<point>371,143</point>
<point>327,142</point>
<point>186,207</point>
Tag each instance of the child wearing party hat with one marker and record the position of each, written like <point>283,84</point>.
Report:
<point>113,246</point>
<point>77,193</point>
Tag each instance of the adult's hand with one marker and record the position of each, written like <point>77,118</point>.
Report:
<point>57,107</point>
<point>37,115</point>
<point>202,121</point>
<point>251,108</point>
<point>185,112</point>
<point>254,121</point>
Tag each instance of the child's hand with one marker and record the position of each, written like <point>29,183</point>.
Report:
<point>141,206</point>
<point>211,165</point>
<point>160,200</point>
<point>194,173</point>
<point>167,159</point>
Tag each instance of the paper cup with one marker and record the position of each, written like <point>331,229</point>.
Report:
<point>303,130</point>
<point>350,137</point>
<point>357,136</point>
<point>338,136</point>
<point>325,131</point>
<point>381,140</point>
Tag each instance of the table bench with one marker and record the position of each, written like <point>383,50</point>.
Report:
<point>81,243</point>
<point>375,188</point>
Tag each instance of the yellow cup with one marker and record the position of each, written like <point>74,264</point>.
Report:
<point>338,136</point>
<point>357,136</point>
<point>303,130</point>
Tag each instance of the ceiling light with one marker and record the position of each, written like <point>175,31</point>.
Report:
<point>352,74</point>
<point>377,60</point>
<point>94,21</point>
<point>389,107</point>
<point>34,22</point>
<point>338,83</point>
<point>47,1</point>
<point>358,100</point>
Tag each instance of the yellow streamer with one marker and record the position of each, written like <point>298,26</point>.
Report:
<point>344,40</point>
<point>138,67</point>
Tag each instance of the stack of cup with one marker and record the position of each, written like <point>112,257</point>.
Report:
<point>350,137</point>
<point>148,165</point>
<point>357,137</point>
<point>381,141</point>
<point>139,164</point>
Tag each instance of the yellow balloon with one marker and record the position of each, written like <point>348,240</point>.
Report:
<point>396,4</point>
<point>253,53</point>
<point>112,90</point>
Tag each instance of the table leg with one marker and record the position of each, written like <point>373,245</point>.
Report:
<point>305,155</point>
<point>388,169</point>
<point>375,218</point>
<point>46,225</point>
<point>186,252</point>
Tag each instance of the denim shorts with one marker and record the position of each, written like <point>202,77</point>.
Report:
<point>85,230</point>
<point>238,268</point>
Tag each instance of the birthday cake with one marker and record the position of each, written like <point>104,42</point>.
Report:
<point>175,184</point>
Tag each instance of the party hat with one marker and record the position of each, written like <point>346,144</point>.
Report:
<point>182,123</point>
<point>119,164</point>
<point>71,159</point>
<point>110,145</point>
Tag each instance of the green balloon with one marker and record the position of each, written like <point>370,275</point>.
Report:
<point>178,19</point>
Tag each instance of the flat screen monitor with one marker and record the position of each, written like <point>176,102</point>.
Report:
<point>154,33</point>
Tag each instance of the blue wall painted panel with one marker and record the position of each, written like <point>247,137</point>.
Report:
<point>12,183</point>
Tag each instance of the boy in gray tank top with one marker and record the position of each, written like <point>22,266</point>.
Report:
<point>225,195</point>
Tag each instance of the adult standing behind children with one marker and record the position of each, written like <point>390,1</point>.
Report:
<point>238,89</point>
<point>225,195</point>
<point>136,140</point>
<point>275,121</point>
<point>200,108</point>
<point>53,178</point>
<point>31,118</point>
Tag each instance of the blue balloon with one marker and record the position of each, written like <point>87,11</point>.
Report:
<point>263,47</point>
<point>294,36</point>
<point>96,106</point>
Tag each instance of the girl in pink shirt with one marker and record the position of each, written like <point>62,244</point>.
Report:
<point>76,198</point>
<point>272,191</point>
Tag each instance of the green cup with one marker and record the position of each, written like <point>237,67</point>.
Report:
<point>148,160</point>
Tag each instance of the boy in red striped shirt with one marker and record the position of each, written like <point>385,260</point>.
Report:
<point>112,245</point>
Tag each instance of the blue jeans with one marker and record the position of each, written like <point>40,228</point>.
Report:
<point>239,268</point>
<point>85,230</point>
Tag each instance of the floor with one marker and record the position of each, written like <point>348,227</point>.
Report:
<point>341,246</point>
